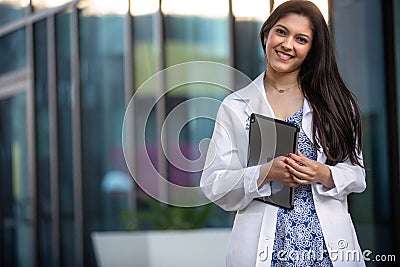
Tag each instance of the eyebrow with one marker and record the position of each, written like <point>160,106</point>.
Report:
<point>302,34</point>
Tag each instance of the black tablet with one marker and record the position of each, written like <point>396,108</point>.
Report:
<point>268,139</point>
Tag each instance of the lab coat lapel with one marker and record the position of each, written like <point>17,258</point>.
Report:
<point>306,123</point>
<point>255,98</point>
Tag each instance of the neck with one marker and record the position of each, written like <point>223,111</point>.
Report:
<point>281,80</point>
<point>279,88</point>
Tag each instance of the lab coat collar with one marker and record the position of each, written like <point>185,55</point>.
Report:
<point>256,99</point>
<point>306,107</point>
<point>254,96</point>
<point>248,92</point>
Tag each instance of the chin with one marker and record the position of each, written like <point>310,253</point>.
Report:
<point>281,69</point>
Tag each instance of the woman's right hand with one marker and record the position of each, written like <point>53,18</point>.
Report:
<point>276,170</point>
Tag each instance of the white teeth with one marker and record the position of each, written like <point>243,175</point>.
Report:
<point>283,55</point>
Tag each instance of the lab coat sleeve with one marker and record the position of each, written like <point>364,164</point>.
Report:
<point>348,178</point>
<point>226,180</point>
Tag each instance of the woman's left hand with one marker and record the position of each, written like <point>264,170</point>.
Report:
<point>308,171</point>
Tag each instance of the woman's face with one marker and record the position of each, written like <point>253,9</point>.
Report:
<point>288,43</point>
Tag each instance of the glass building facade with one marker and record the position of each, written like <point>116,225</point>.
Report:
<point>68,70</point>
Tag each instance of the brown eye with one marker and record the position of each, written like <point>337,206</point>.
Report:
<point>280,32</point>
<point>302,40</point>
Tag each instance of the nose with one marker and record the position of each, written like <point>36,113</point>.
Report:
<point>287,43</point>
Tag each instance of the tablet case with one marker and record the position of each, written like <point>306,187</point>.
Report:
<point>268,139</point>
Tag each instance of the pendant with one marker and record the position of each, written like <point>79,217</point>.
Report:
<point>281,91</point>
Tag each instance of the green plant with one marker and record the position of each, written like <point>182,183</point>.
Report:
<point>154,215</point>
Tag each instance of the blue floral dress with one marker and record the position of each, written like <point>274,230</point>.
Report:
<point>299,240</point>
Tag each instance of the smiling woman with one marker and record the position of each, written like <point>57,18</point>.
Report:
<point>294,87</point>
<point>78,68</point>
<point>288,44</point>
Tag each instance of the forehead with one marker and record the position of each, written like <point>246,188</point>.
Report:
<point>296,23</point>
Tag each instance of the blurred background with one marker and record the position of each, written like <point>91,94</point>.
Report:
<point>68,70</point>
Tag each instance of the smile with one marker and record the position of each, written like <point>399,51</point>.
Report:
<point>284,56</point>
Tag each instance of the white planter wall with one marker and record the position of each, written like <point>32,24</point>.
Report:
<point>192,248</point>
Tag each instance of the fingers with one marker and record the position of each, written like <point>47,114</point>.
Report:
<point>289,179</point>
<point>298,170</point>
<point>298,176</point>
<point>295,164</point>
<point>299,158</point>
<point>279,173</point>
<point>302,174</point>
<point>302,164</point>
<point>301,180</point>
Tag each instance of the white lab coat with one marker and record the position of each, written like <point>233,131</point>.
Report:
<point>227,182</point>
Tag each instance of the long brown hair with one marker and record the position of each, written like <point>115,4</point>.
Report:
<point>336,115</point>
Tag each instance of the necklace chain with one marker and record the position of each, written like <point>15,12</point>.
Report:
<point>280,90</point>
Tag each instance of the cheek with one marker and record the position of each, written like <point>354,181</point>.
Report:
<point>303,51</point>
<point>272,41</point>
<point>270,46</point>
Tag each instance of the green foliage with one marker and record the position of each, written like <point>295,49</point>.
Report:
<point>154,215</point>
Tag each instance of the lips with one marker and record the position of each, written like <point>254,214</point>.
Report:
<point>284,56</point>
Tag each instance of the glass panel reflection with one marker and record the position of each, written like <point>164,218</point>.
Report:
<point>145,59</point>
<point>249,56</point>
<point>102,109</point>
<point>371,209</point>
<point>13,51</point>
<point>42,141</point>
<point>12,10</point>
<point>193,32</point>
<point>64,93</point>
<point>16,221</point>
<point>397,49</point>
<point>190,38</point>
